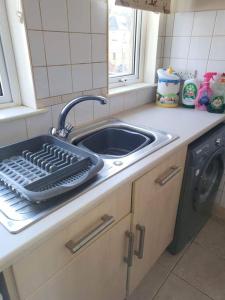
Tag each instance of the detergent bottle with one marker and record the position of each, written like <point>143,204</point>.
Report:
<point>190,91</point>
<point>205,92</point>
<point>217,100</point>
<point>168,88</point>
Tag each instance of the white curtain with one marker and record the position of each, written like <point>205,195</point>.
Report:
<point>162,6</point>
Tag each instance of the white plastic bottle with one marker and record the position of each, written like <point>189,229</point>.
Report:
<point>190,92</point>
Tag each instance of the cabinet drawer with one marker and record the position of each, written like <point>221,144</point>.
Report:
<point>37,267</point>
<point>98,273</point>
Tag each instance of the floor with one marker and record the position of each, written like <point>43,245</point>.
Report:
<point>198,273</point>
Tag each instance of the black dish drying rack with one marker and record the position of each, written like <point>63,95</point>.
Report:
<point>44,167</point>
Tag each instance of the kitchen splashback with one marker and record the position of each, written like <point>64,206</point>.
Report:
<point>195,40</point>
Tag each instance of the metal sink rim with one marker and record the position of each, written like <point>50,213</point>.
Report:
<point>82,140</point>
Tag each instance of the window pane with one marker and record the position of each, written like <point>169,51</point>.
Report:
<point>5,93</point>
<point>122,36</point>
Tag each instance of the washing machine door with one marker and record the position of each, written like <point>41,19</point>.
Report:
<point>209,181</point>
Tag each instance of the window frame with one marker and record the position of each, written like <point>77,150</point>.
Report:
<point>7,58</point>
<point>140,32</point>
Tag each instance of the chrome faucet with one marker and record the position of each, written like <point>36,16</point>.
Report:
<point>64,129</point>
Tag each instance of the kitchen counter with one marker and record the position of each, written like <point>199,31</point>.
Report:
<point>187,124</point>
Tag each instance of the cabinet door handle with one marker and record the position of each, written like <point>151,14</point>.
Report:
<point>129,258</point>
<point>168,175</point>
<point>74,246</point>
<point>140,252</point>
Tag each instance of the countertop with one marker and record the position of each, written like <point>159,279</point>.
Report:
<point>186,123</point>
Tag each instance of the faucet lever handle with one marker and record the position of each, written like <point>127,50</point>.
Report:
<point>68,128</point>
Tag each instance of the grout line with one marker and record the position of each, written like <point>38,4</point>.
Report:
<point>171,270</point>
<point>192,28</point>
<point>196,288</point>
<point>49,92</point>
<point>210,48</point>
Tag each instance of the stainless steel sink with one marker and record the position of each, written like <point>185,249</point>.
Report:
<point>119,144</point>
<point>115,141</point>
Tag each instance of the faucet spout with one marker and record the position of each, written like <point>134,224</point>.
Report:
<point>63,130</point>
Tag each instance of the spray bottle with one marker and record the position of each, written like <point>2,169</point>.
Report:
<point>205,92</point>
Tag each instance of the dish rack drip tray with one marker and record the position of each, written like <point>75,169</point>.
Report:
<point>45,167</point>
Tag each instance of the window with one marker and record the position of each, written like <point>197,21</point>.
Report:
<point>5,93</point>
<point>9,87</point>
<point>124,44</point>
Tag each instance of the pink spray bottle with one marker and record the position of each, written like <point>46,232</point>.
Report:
<point>205,92</point>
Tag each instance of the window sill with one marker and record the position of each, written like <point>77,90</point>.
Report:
<point>128,88</point>
<point>18,112</point>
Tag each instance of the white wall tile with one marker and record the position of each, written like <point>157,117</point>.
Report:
<point>160,46</point>
<point>217,51</point>
<point>169,24</point>
<point>199,65</point>
<point>80,48</point>
<point>101,111</point>
<point>183,24</point>
<point>99,47</point>
<point>180,47</point>
<point>60,80</point>
<point>146,95</point>
<point>200,47</point>
<point>216,66</point>
<point>130,100</point>
<point>54,15</point>
<point>166,62</point>
<point>220,23</point>
<point>204,23</point>
<point>39,124</point>
<point>100,75</point>
<point>178,64</point>
<point>79,15</point>
<point>82,77</point>
<point>84,113</point>
<point>32,14</point>
<point>37,50</point>
<point>98,16</point>
<point>12,132</point>
<point>57,48</point>
<point>68,97</point>
<point>167,46</point>
<point>41,82</point>
<point>56,109</point>
<point>116,104</point>
<point>162,24</point>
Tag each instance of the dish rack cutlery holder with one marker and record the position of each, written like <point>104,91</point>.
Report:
<point>44,167</point>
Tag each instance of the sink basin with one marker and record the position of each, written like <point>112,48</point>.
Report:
<point>115,141</point>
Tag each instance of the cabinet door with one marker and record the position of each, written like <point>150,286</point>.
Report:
<point>97,273</point>
<point>155,202</point>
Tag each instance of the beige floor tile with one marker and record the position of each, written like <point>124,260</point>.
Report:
<point>169,261</point>
<point>212,236</point>
<point>150,284</point>
<point>204,270</point>
<point>177,289</point>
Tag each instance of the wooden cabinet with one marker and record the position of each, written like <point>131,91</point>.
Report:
<point>89,258</point>
<point>98,273</point>
<point>155,202</point>
<point>99,244</point>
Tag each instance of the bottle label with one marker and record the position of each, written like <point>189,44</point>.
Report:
<point>217,103</point>
<point>189,93</point>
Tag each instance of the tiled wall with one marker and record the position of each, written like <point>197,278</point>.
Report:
<point>68,49</point>
<point>68,46</point>
<point>195,40</point>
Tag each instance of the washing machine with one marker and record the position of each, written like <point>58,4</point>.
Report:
<point>203,172</point>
